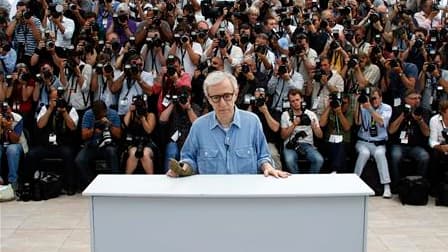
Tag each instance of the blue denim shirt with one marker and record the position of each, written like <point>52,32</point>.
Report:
<point>240,149</point>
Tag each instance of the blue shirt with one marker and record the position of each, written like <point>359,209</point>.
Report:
<point>9,61</point>
<point>88,122</point>
<point>364,133</point>
<point>240,149</point>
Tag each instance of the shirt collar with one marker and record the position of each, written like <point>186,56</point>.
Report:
<point>236,119</point>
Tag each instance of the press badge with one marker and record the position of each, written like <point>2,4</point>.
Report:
<point>397,102</point>
<point>404,137</point>
<point>316,103</point>
<point>165,102</point>
<point>124,102</point>
<point>52,138</point>
<point>175,136</point>
<point>336,138</point>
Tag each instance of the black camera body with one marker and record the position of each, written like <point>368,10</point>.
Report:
<point>445,134</point>
<point>294,143</point>
<point>245,68</point>
<point>363,95</point>
<point>261,49</point>
<point>318,73</point>
<point>335,100</point>
<point>282,69</point>
<point>353,61</point>
<point>140,103</point>
<point>60,101</point>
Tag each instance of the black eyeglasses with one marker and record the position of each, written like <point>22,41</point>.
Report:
<point>217,98</point>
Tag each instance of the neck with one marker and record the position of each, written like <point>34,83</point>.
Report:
<point>225,121</point>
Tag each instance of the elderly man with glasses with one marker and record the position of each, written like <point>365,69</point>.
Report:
<point>227,140</point>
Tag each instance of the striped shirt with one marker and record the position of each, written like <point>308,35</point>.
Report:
<point>24,35</point>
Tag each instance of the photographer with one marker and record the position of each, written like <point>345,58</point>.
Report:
<point>102,80</point>
<point>304,61</point>
<point>25,31</point>
<point>283,79</point>
<point>399,77</point>
<point>270,121</point>
<point>188,51</point>
<point>153,20</point>
<point>429,17</point>
<point>248,79</point>
<point>155,50</point>
<point>46,52</point>
<point>408,132</point>
<point>337,120</point>
<point>438,141</point>
<point>121,24</point>
<point>432,85</point>
<point>101,130</point>
<point>298,127</point>
<point>19,94</point>
<point>139,122</point>
<point>46,79</point>
<point>372,115</point>
<point>416,51</point>
<point>13,141</point>
<point>232,55</point>
<point>131,82</point>
<point>264,57</point>
<point>176,120</point>
<point>361,73</point>
<point>62,27</point>
<point>56,137</point>
<point>325,81</point>
<point>244,39</point>
<point>77,77</point>
<point>8,57</point>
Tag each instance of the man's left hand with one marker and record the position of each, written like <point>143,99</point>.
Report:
<point>270,171</point>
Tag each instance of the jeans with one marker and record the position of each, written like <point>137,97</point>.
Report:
<point>416,153</point>
<point>365,150</point>
<point>89,154</point>
<point>171,151</point>
<point>315,158</point>
<point>13,153</point>
<point>66,153</point>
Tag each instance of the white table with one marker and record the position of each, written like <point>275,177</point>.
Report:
<point>228,213</point>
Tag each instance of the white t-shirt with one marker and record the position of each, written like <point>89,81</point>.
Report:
<point>131,90</point>
<point>185,60</point>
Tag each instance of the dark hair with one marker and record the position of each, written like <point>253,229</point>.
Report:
<point>294,91</point>
<point>99,109</point>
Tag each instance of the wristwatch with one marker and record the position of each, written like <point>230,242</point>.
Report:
<point>401,74</point>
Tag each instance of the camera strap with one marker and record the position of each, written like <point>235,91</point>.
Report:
<point>3,65</point>
<point>364,122</point>
<point>281,92</point>
<point>153,60</point>
<point>182,53</point>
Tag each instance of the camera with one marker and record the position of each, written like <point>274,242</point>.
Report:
<point>418,43</point>
<point>245,68</point>
<point>222,43</point>
<point>294,143</point>
<point>334,45</point>
<point>140,101</point>
<point>73,7</point>
<point>353,61</point>
<point>171,69</point>
<point>99,68</point>
<point>49,44</point>
<point>282,69</point>
<point>139,142</point>
<point>25,77</point>
<point>335,100</point>
<point>60,101</point>
<point>184,39</point>
<point>394,63</point>
<point>445,134</point>
<point>5,107</point>
<point>364,95</point>
<point>374,17</point>
<point>407,109</point>
<point>106,137</point>
<point>430,68</point>
<point>262,49</point>
<point>182,97</point>
<point>318,73</point>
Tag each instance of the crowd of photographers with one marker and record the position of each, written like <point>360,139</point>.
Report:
<point>122,82</point>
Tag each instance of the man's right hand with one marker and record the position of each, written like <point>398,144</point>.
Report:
<point>176,170</point>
